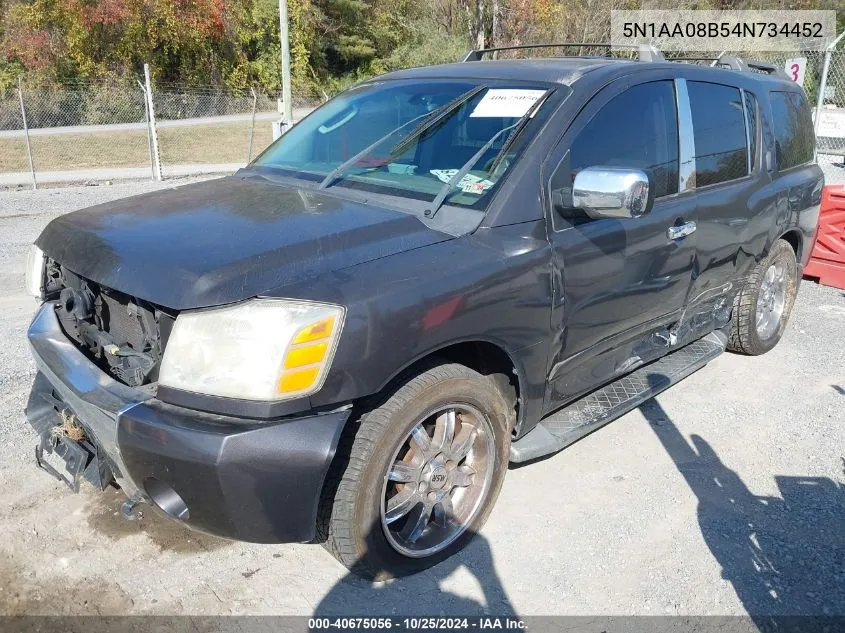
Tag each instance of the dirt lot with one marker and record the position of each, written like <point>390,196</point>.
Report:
<point>723,496</point>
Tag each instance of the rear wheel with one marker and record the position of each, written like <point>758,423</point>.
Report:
<point>763,305</point>
<point>418,474</point>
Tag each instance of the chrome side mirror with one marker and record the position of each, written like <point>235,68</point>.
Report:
<point>612,192</point>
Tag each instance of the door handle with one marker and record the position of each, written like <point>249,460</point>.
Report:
<point>681,231</point>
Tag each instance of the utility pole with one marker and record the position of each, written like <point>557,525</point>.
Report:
<point>284,34</point>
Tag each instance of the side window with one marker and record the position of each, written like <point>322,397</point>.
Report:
<point>718,121</point>
<point>751,118</point>
<point>794,138</point>
<point>637,129</point>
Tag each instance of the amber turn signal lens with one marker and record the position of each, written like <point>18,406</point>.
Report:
<point>305,355</point>
<point>298,380</point>
<point>315,332</point>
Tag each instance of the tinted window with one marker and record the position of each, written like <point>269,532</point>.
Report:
<point>637,129</point>
<point>794,138</point>
<point>751,115</point>
<point>718,122</point>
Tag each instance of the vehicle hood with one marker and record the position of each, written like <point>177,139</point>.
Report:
<point>225,240</point>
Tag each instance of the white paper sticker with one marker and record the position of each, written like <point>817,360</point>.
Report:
<point>476,188</point>
<point>506,102</point>
<point>470,183</point>
<point>445,175</point>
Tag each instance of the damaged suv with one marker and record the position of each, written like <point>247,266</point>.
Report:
<point>438,272</point>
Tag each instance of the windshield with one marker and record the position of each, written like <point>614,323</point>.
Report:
<point>412,138</point>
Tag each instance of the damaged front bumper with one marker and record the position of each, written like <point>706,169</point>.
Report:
<point>244,479</point>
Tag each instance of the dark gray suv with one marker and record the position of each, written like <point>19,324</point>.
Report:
<point>438,272</point>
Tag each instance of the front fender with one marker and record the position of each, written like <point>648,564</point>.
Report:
<point>493,286</point>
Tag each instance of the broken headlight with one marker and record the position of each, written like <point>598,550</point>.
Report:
<point>35,272</point>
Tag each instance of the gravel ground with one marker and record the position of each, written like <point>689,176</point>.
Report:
<point>724,495</point>
<point>833,168</point>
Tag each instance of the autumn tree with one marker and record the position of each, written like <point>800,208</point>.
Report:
<point>235,43</point>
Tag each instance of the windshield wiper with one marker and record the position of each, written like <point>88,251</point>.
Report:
<point>517,127</point>
<point>520,125</point>
<point>435,117</point>
<point>447,110</point>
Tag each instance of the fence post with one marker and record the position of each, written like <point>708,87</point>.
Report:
<point>251,126</point>
<point>152,124</point>
<point>822,89</point>
<point>828,53</point>
<point>149,131</point>
<point>26,135</point>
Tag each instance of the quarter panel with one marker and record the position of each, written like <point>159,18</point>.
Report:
<point>799,205</point>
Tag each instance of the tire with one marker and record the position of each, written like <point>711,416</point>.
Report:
<point>752,302</point>
<point>353,508</point>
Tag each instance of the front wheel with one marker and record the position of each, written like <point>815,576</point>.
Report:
<point>417,476</point>
<point>764,303</point>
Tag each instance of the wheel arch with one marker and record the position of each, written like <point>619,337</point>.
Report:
<point>795,239</point>
<point>484,356</point>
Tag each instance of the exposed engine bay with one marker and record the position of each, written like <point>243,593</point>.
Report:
<point>123,335</point>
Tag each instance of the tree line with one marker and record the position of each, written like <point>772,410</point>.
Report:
<point>234,44</point>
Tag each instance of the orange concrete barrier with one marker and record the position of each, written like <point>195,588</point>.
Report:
<point>827,262</point>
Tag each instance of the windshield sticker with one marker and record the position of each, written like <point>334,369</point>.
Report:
<point>506,102</point>
<point>477,188</point>
<point>445,175</point>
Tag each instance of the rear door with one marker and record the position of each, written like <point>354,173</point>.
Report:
<point>619,283</point>
<point>727,176</point>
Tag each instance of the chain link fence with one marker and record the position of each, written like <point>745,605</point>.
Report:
<point>831,127</point>
<point>207,127</point>
<point>104,132</point>
<point>77,128</point>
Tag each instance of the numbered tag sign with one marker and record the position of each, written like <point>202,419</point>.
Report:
<point>795,68</point>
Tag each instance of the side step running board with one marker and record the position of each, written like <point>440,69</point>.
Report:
<point>574,421</point>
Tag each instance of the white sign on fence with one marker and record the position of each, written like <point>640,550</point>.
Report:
<point>795,68</point>
<point>832,123</point>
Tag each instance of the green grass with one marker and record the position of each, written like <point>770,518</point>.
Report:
<point>203,144</point>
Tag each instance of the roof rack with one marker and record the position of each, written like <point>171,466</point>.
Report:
<point>645,52</point>
<point>748,65</point>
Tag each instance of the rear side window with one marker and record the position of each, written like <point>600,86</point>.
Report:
<point>636,129</point>
<point>751,117</point>
<point>794,138</point>
<point>718,121</point>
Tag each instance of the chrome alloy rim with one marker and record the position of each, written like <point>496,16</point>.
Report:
<point>771,300</point>
<point>437,480</point>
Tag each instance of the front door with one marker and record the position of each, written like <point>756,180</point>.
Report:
<point>620,284</point>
